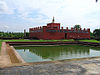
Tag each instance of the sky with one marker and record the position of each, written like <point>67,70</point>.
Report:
<point>17,15</point>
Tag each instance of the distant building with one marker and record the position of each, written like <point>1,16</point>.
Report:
<point>53,31</point>
<point>24,32</point>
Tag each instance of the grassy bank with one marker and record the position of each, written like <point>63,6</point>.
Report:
<point>0,44</point>
<point>22,40</point>
<point>90,41</point>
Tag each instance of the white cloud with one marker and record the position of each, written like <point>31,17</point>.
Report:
<point>6,27</point>
<point>4,8</point>
<point>67,12</point>
<point>58,8</point>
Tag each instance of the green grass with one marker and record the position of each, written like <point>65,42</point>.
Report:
<point>22,40</point>
<point>0,44</point>
<point>90,41</point>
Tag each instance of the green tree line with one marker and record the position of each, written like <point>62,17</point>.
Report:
<point>13,35</point>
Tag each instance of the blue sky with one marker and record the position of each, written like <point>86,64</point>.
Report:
<point>17,15</point>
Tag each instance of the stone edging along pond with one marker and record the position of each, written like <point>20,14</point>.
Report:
<point>13,57</point>
<point>9,55</point>
<point>53,43</point>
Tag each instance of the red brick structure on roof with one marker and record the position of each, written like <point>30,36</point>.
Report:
<point>53,31</point>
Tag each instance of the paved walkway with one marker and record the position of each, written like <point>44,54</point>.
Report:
<point>79,67</point>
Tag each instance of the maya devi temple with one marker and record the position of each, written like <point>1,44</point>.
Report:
<point>54,31</point>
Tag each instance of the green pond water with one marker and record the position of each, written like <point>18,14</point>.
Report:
<point>51,53</point>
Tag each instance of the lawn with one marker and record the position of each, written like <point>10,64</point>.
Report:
<point>0,44</point>
<point>22,40</point>
<point>90,41</point>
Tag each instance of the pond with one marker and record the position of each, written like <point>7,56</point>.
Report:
<point>51,53</point>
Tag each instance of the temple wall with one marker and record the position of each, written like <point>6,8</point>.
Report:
<point>53,31</point>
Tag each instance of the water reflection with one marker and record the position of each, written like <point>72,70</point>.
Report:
<point>49,53</point>
<point>60,51</point>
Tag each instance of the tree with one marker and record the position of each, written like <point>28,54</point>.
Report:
<point>77,27</point>
<point>91,35</point>
<point>96,33</point>
<point>96,0</point>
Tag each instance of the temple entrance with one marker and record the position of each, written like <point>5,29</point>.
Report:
<point>65,35</point>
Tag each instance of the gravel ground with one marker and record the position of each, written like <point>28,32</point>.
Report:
<point>76,67</point>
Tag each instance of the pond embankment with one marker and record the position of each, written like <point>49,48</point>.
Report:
<point>53,43</point>
<point>10,56</point>
<point>83,66</point>
<point>4,56</point>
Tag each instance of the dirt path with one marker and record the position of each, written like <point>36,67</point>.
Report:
<point>4,57</point>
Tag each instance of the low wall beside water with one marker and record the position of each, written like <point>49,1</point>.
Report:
<point>54,43</point>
